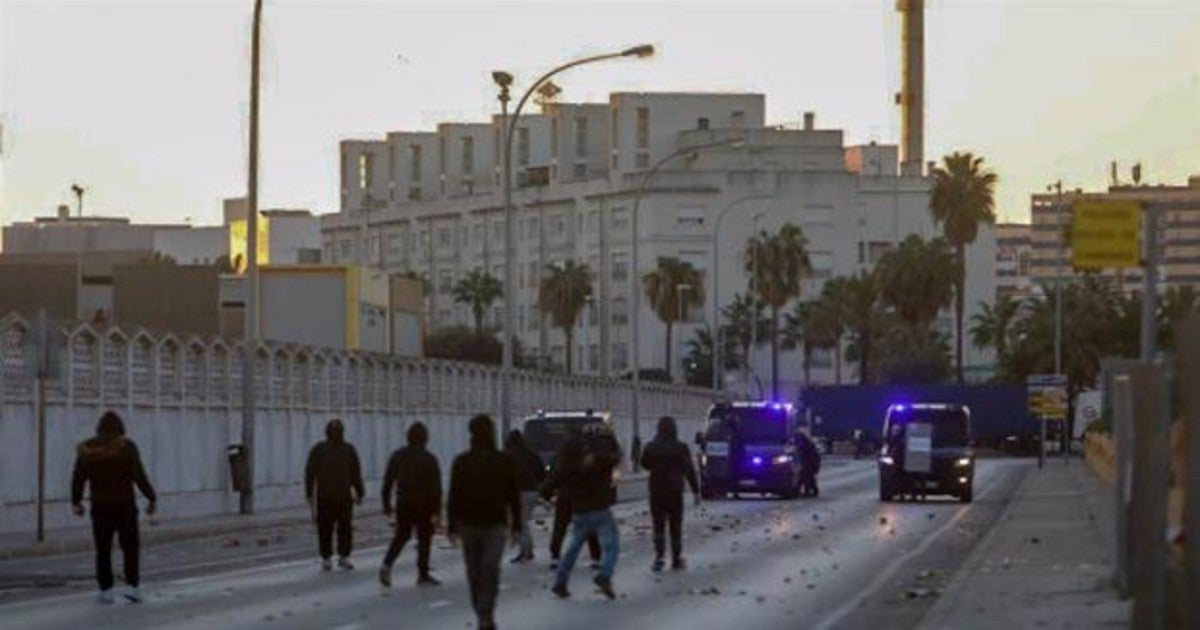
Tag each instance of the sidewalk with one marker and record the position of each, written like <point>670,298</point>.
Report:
<point>1047,563</point>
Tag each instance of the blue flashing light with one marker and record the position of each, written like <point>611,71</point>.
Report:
<point>757,461</point>
<point>901,407</point>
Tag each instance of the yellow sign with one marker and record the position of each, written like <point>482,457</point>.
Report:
<point>1106,234</point>
<point>237,243</point>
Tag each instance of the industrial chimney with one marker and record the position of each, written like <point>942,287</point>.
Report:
<point>912,92</point>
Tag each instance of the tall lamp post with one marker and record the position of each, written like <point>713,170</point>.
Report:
<point>250,334</point>
<point>504,81</point>
<point>635,293</point>
<point>718,351</point>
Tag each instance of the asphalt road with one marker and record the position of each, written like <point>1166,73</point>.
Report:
<point>841,561</point>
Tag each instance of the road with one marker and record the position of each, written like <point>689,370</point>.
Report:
<point>841,561</point>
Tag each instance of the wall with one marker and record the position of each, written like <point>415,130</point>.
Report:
<point>180,398</point>
<point>193,246</point>
<point>183,298</point>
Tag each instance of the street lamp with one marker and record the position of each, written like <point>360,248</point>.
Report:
<point>250,334</point>
<point>504,81</point>
<point>718,350</point>
<point>635,293</point>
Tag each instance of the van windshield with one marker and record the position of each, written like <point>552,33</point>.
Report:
<point>751,425</point>
<point>548,433</point>
<point>950,426</point>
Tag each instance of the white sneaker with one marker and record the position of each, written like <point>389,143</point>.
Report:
<point>132,595</point>
<point>326,564</point>
<point>104,597</point>
<point>344,564</point>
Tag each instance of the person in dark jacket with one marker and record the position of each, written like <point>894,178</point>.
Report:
<point>586,468</point>
<point>670,464</point>
<point>554,489</point>
<point>414,474</point>
<point>531,472</point>
<point>810,464</point>
<point>110,466</point>
<point>334,469</point>
<point>484,500</point>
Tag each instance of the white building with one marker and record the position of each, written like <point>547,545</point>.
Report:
<point>851,202</point>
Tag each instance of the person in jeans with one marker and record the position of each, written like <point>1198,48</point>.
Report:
<point>670,464</point>
<point>531,472</point>
<point>110,466</point>
<point>333,468</point>
<point>484,504</point>
<point>414,473</point>
<point>553,489</point>
<point>586,467</point>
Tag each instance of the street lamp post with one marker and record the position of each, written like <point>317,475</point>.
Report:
<point>504,80</point>
<point>635,281</point>
<point>250,334</point>
<point>718,351</point>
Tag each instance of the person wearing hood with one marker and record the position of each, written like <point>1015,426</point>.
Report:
<point>669,462</point>
<point>333,468</point>
<point>553,488</point>
<point>585,471</point>
<point>810,464</point>
<point>531,472</point>
<point>415,475</point>
<point>110,466</point>
<point>483,502</point>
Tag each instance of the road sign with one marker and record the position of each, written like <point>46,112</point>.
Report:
<point>1047,396</point>
<point>1106,234</point>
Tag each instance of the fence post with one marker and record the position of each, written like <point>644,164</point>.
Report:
<point>1122,423</point>
<point>1188,351</point>
<point>1149,501</point>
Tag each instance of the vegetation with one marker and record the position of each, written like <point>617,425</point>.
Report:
<point>777,265</point>
<point>478,290</point>
<point>459,343</point>
<point>673,287</point>
<point>562,295</point>
<point>745,327</point>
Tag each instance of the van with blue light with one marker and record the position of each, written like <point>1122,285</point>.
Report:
<point>546,431</point>
<point>926,450</point>
<point>750,447</point>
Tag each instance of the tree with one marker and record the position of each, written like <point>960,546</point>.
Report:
<point>478,290</point>
<point>777,264</point>
<point>698,362</point>
<point>962,199</point>
<point>745,327</point>
<point>562,295</point>
<point>672,288</point>
<point>917,279</point>
<point>993,326</point>
<point>459,343</point>
<point>810,326</point>
<point>857,302</point>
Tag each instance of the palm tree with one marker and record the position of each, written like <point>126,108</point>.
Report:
<point>745,327</point>
<point>699,358</point>
<point>478,290</point>
<point>993,326</point>
<point>857,299</point>
<point>673,287</point>
<point>777,264</point>
<point>917,279</point>
<point>962,198</point>
<point>562,295</point>
<point>811,326</point>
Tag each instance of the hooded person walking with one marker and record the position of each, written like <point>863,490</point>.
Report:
<point>484,504</point>
<point>110,466</point>
<point>333,469</point>
<point>585,471</point>
<point>414,473</point>
<point>531,472</point>
<point>670,464</point>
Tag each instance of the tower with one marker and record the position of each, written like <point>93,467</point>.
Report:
<point>912,91</point>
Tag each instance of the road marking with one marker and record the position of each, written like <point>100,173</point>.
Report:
<point>440,603</point>
<point>882,577</point>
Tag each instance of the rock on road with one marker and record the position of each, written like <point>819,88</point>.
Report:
<point>841,561</point>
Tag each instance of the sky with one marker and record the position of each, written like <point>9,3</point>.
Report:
<point>144,102</point>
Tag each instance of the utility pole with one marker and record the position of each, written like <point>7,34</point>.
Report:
<point>250,335</point>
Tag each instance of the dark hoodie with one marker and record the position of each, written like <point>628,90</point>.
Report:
<point>584,471</point>
<point>415,474</point>
<point>333,466</point>
<point>530,469</point>
<point>110,465</point>
<point>669,461</point>
<point>483,483</point>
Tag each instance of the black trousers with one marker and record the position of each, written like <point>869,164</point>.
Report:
<point>119,519</point>
<point>666,509</point>
<point>808,483</point>
<point>335,514</point>
<point>405,525</point>
<point>562,519</point>
<point>482,550</point>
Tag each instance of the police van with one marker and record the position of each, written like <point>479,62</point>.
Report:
<point>749,447</point>
<point>546,431</point>
<point>927,450</point>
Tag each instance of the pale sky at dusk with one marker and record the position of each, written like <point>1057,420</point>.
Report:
<point>144,102</point>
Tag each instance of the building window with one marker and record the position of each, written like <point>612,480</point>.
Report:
<point>593,354</point>
<point>558,226</point>
<point>531,227</point>
<point>643,127</point>
<point>620,357</point>
<point>620,267</point>
<point>345,249</point>
<point>620,219</point>
<point>580,171</point>
<point>393,247</point>
<point>581,137</point>
<point>533,274</point>
<point>702,123</point>
<point>414,162</point>
<point>642,160</point>
<point>445,281</point>
<point>364,170</point>
<point>414,193</point>
<point>468,155</point>
<point>616,134</point>
<point>523,146</point>
<point>593,221</point>
<point>479,227</point>
<point>443,237</point>
<point>498,232</point>
<point>554,137</point>
<point>738,118</point>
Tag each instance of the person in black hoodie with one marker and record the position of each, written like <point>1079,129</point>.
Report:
<point>334,469</point>
<point>586,470</point>
<point>483,500</point>
<point>670,463</point>
<point>554,488</point>
<point>531,472</point>
<point>417,479</point>
<point>810,464</point>
<point>109,464</point>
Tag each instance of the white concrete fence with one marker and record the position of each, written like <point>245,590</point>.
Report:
<point>180,398</point>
